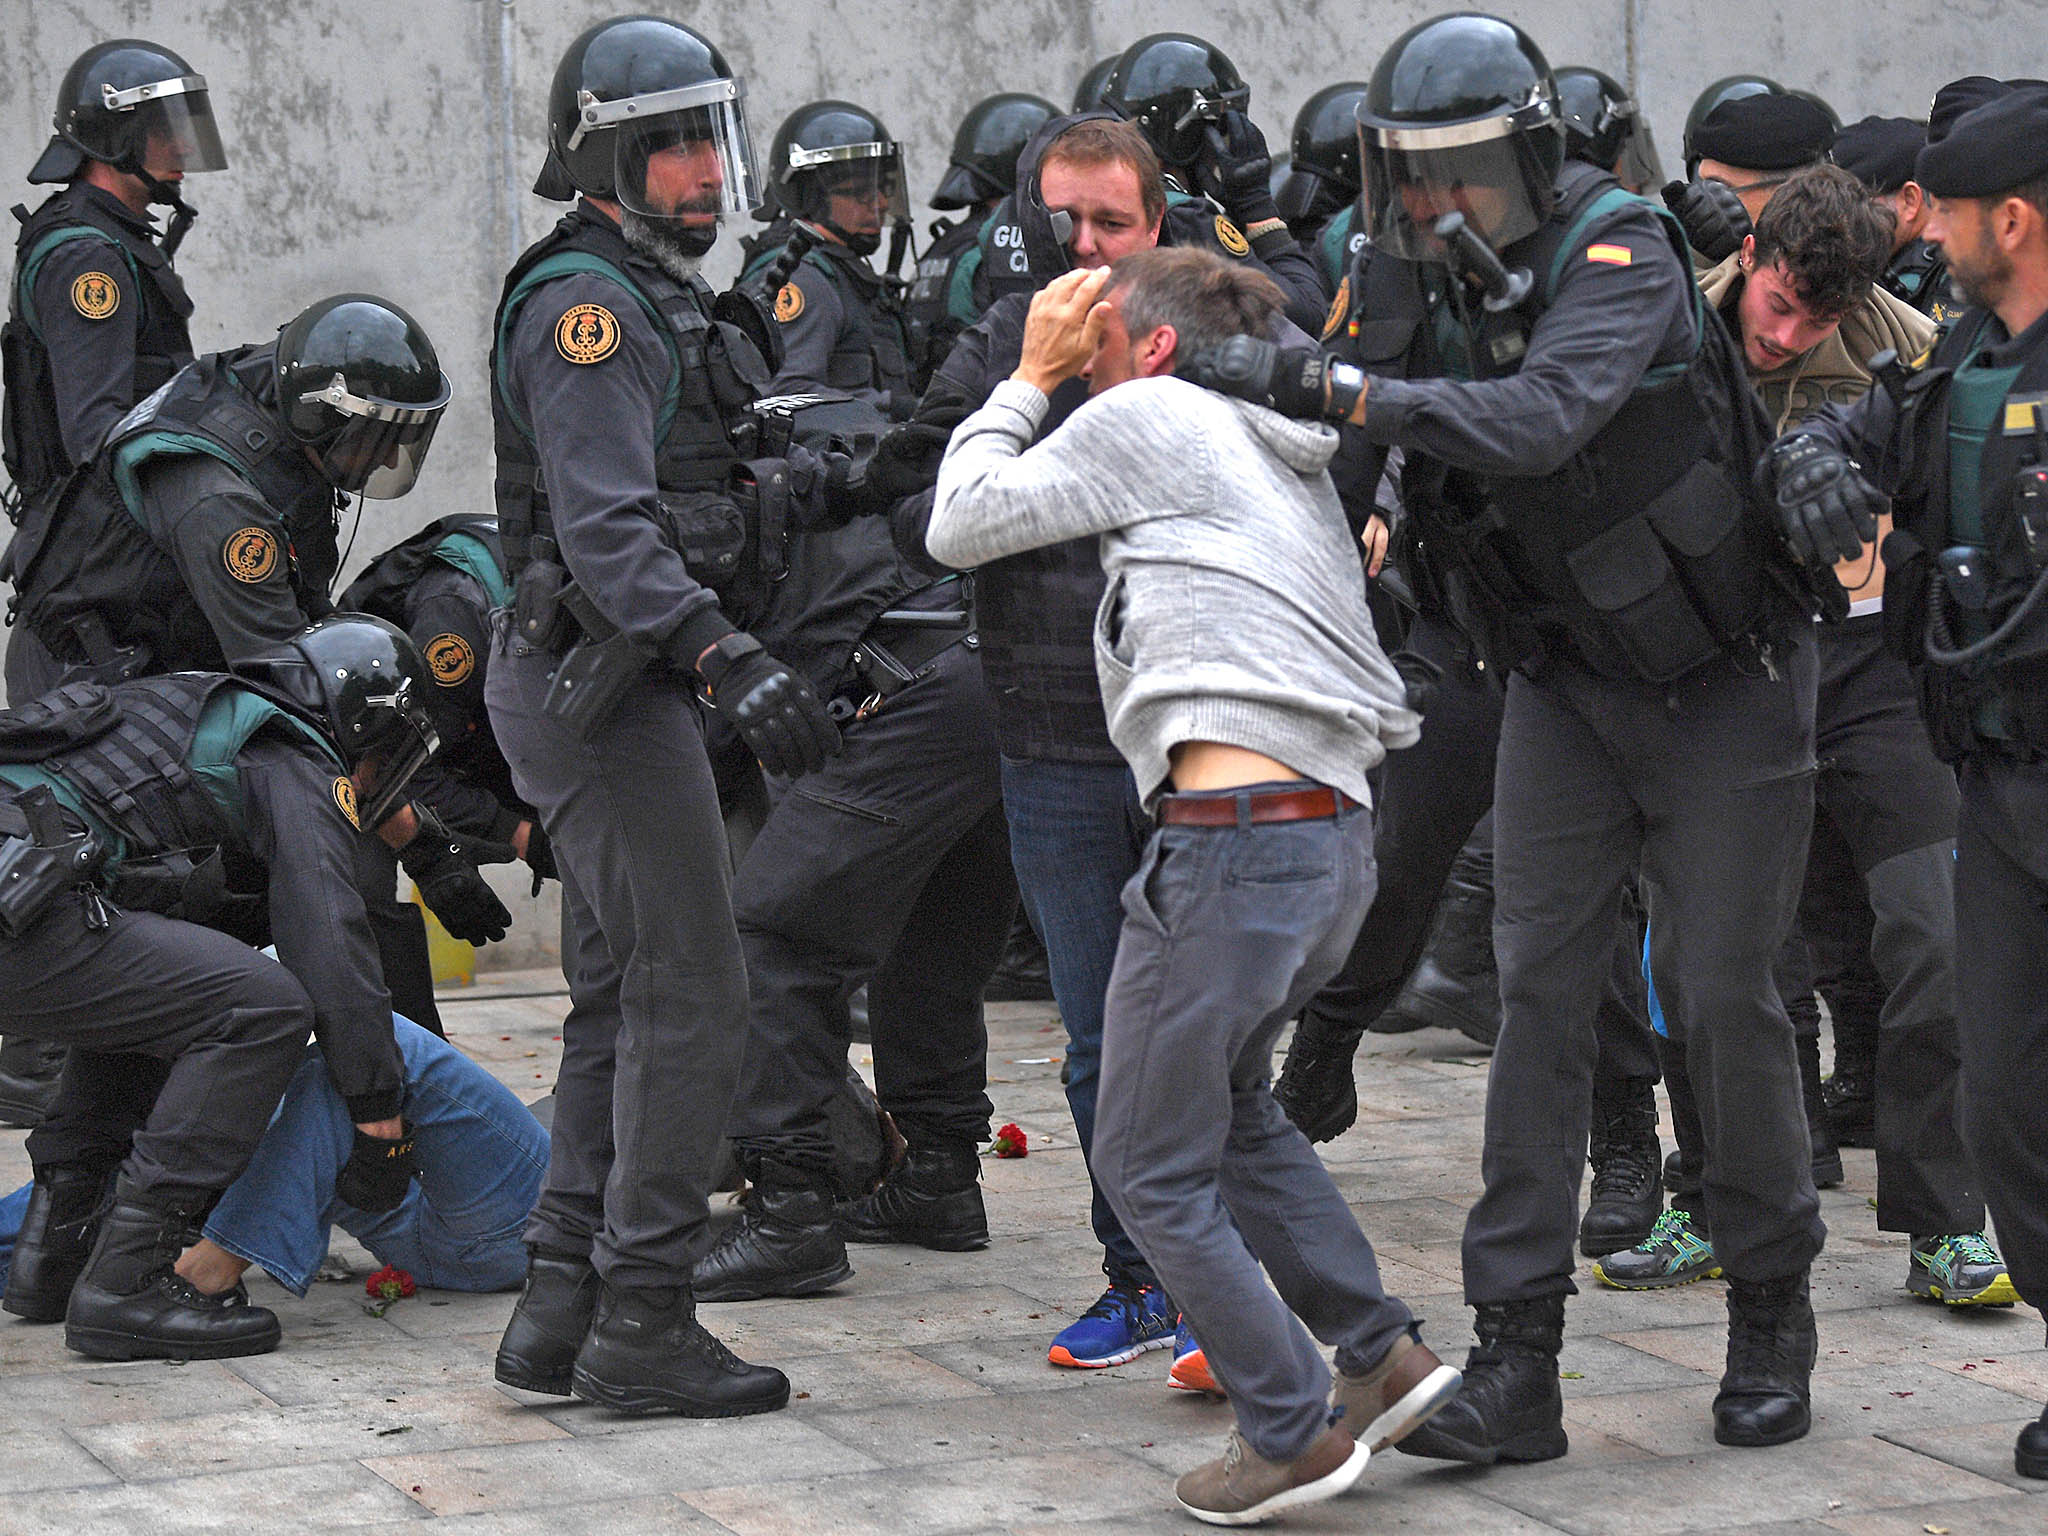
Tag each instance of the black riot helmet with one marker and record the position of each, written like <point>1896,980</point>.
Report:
<point>1088,93</point>
<point>1728,88</point>
<point>1173,86</point>
<point>628,91</point>
<point>126,103</point>
<point>1460,117</point>
<point>1322,174</point>
<point>830,149</point>
<point>359,384</point>
<point>986,145</point>
<point>361,683</point>
<point>1603,127</point>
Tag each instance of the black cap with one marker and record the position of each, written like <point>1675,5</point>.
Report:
<point>1958,97</point>
<point>1765,133</point>
<point>1879,151</point>
<point>1992,149</point>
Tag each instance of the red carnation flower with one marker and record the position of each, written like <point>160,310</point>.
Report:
<point>1011,1142</point>
<point>389,1284</point>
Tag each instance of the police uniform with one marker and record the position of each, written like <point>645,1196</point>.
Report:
<point>227,822</point>
<point>842,328</point>
<point>1960,446</point>
<point>604,485</point>
<point>947,294</point>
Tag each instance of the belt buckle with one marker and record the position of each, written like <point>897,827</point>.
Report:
<point>867,709</point>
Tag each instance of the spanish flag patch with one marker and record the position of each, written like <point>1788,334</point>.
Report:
<point>1613,255</point>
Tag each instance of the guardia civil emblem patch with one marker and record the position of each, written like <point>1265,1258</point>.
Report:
<point>94,295</point>
<point>345,797</point>
<point>1231,238</point>
<point>588,333</point>
<point>250,554</point>
<point>789,302</point>
<point>451,659</point>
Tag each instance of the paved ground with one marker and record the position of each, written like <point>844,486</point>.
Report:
<point>925,1404</point>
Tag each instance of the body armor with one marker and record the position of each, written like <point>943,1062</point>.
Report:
<point>873,350</point>
<point>944,298</point>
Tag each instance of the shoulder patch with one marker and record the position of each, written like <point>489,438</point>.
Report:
<point>1230,237</point>
<point>587,333</point>
<point>95,295</point>
<point>789,302</point>
<point>250,554</point>
<point>1613,255</point>
<point>345,797</point>
<point>452,660</point>
<point>1339,307</point>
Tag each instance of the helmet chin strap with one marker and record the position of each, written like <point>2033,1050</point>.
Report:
<point>182,212</point>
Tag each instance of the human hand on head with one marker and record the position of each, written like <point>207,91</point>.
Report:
<point>1063,329</point>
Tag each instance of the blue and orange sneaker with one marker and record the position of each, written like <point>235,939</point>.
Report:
<point>1190,1371</point>
<point>1125,1321</point>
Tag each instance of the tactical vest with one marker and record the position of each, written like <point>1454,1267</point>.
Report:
<point>465,541</point>
<point>1645,554</point>
<point>715,374</point>
<point>1997,700</point>
<point>155,777</point>
<point>1919,276</point>
<point>29,429</point>
<point>873,349</point>
<point>943,302</point>
<point>1338,246</point>
<point>88,574</point>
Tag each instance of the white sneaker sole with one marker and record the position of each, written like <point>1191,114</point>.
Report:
<point>1327,1486</point>
<point>1415,1406</point>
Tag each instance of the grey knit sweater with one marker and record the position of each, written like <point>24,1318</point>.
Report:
<point>1236,604</point>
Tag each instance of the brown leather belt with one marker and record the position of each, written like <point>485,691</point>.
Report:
<point>1313,803</point>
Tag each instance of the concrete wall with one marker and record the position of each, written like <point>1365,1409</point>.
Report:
<point>388,144</point>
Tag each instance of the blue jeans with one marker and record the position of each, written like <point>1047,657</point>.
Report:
<point>481,1154</point>
<point>1077,832</point>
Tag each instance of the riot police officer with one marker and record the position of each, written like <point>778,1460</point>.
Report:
<point>946,296</point>
<point>153,833</point>
<point>1188,99</point>
<point>1088,89</point>
<point>1319,196</point>
<point>839,177</point>
<point>1578,441</point>
<point>1960,443</point>
<point>1604,127</point>
<point>631,528</point>
<point>96,313</point>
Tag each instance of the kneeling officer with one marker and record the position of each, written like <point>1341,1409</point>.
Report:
<point>151,833</point>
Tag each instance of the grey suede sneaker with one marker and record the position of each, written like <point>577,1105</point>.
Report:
<point>1243,1488</point>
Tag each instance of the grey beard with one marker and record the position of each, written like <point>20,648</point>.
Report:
<point>667,245</point>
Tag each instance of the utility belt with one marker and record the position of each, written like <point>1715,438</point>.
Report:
<point>903,645</point>
<point>42,856</point>
<point>86,647</point>
<point>597,661</point>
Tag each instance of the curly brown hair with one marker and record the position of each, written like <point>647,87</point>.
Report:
<point>1832,238</point>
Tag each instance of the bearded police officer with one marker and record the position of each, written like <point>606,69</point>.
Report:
<point>1579,438</point>
<point>1960,443</point>
<point>948,295</point>
<point>152,833</point>
<point>629,524</point>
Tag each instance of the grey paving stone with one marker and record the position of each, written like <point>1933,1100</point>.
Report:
<point>331,1495</point>
<point>1983,1448</point>
<point>108,1392</point>
<point>662,1513</point>
<point>315,1373</point>
<point>2012,1515</point>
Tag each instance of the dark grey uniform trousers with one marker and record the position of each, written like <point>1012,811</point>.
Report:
<point>1227,932</point>
<point>2002,937</point>
<point>889,865</point>
<point>658,991</point>
<point>1707,785</point>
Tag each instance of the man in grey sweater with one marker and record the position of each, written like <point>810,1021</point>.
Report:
<point>1243,681</point>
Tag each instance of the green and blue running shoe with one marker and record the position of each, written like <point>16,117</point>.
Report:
<point>1675,1253</point>
<point>1959,1270</point>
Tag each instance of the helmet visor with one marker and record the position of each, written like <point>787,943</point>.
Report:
<point>1487,170</point>
<point>1640,168</point>
<point>380,445</point>
<point>386,771</point>
<point>684,154</point>
<point>855,187</point>
<point>175,130</point>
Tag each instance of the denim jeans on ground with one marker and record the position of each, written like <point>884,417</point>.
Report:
<point>1077,832</point>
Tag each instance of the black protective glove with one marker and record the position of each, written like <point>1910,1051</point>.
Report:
<point>540,855</point>
<point>906,460</point>
<point>1292,382</point>
<point>378,1173</point>
<point>1237,170</point>
<point>1826,509</point>
<point>450,885</point>
<point>775,709</point>
<point>1715,221</point>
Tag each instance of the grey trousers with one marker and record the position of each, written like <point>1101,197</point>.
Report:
<point>1706,785</point>
<point>1227,932</point>
<point>658,1017</point>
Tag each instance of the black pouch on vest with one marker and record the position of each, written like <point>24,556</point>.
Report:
<point>538,617</point>
<point>40,861</point>
<point>1625,574</point>
<point>709,531</point>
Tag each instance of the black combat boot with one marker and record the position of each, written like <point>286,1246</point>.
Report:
<point>1827,1157</point>
<point>29,1070</point>
<point>131,1305</point>
<point>56,1238</point>
<point>1316,1090</point>
<point>1850,1096</point>
<point>647,1353</point>
<point>933,1199</point>
<point>1024,974</point>
<point>2030,1451</point>
<point>1510,1407</point>
<point>784,1243</point>
<point>1456,985</point>
<point>1628,1191</point>
<point>1772,1344</point>
<point>550,1323</point>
